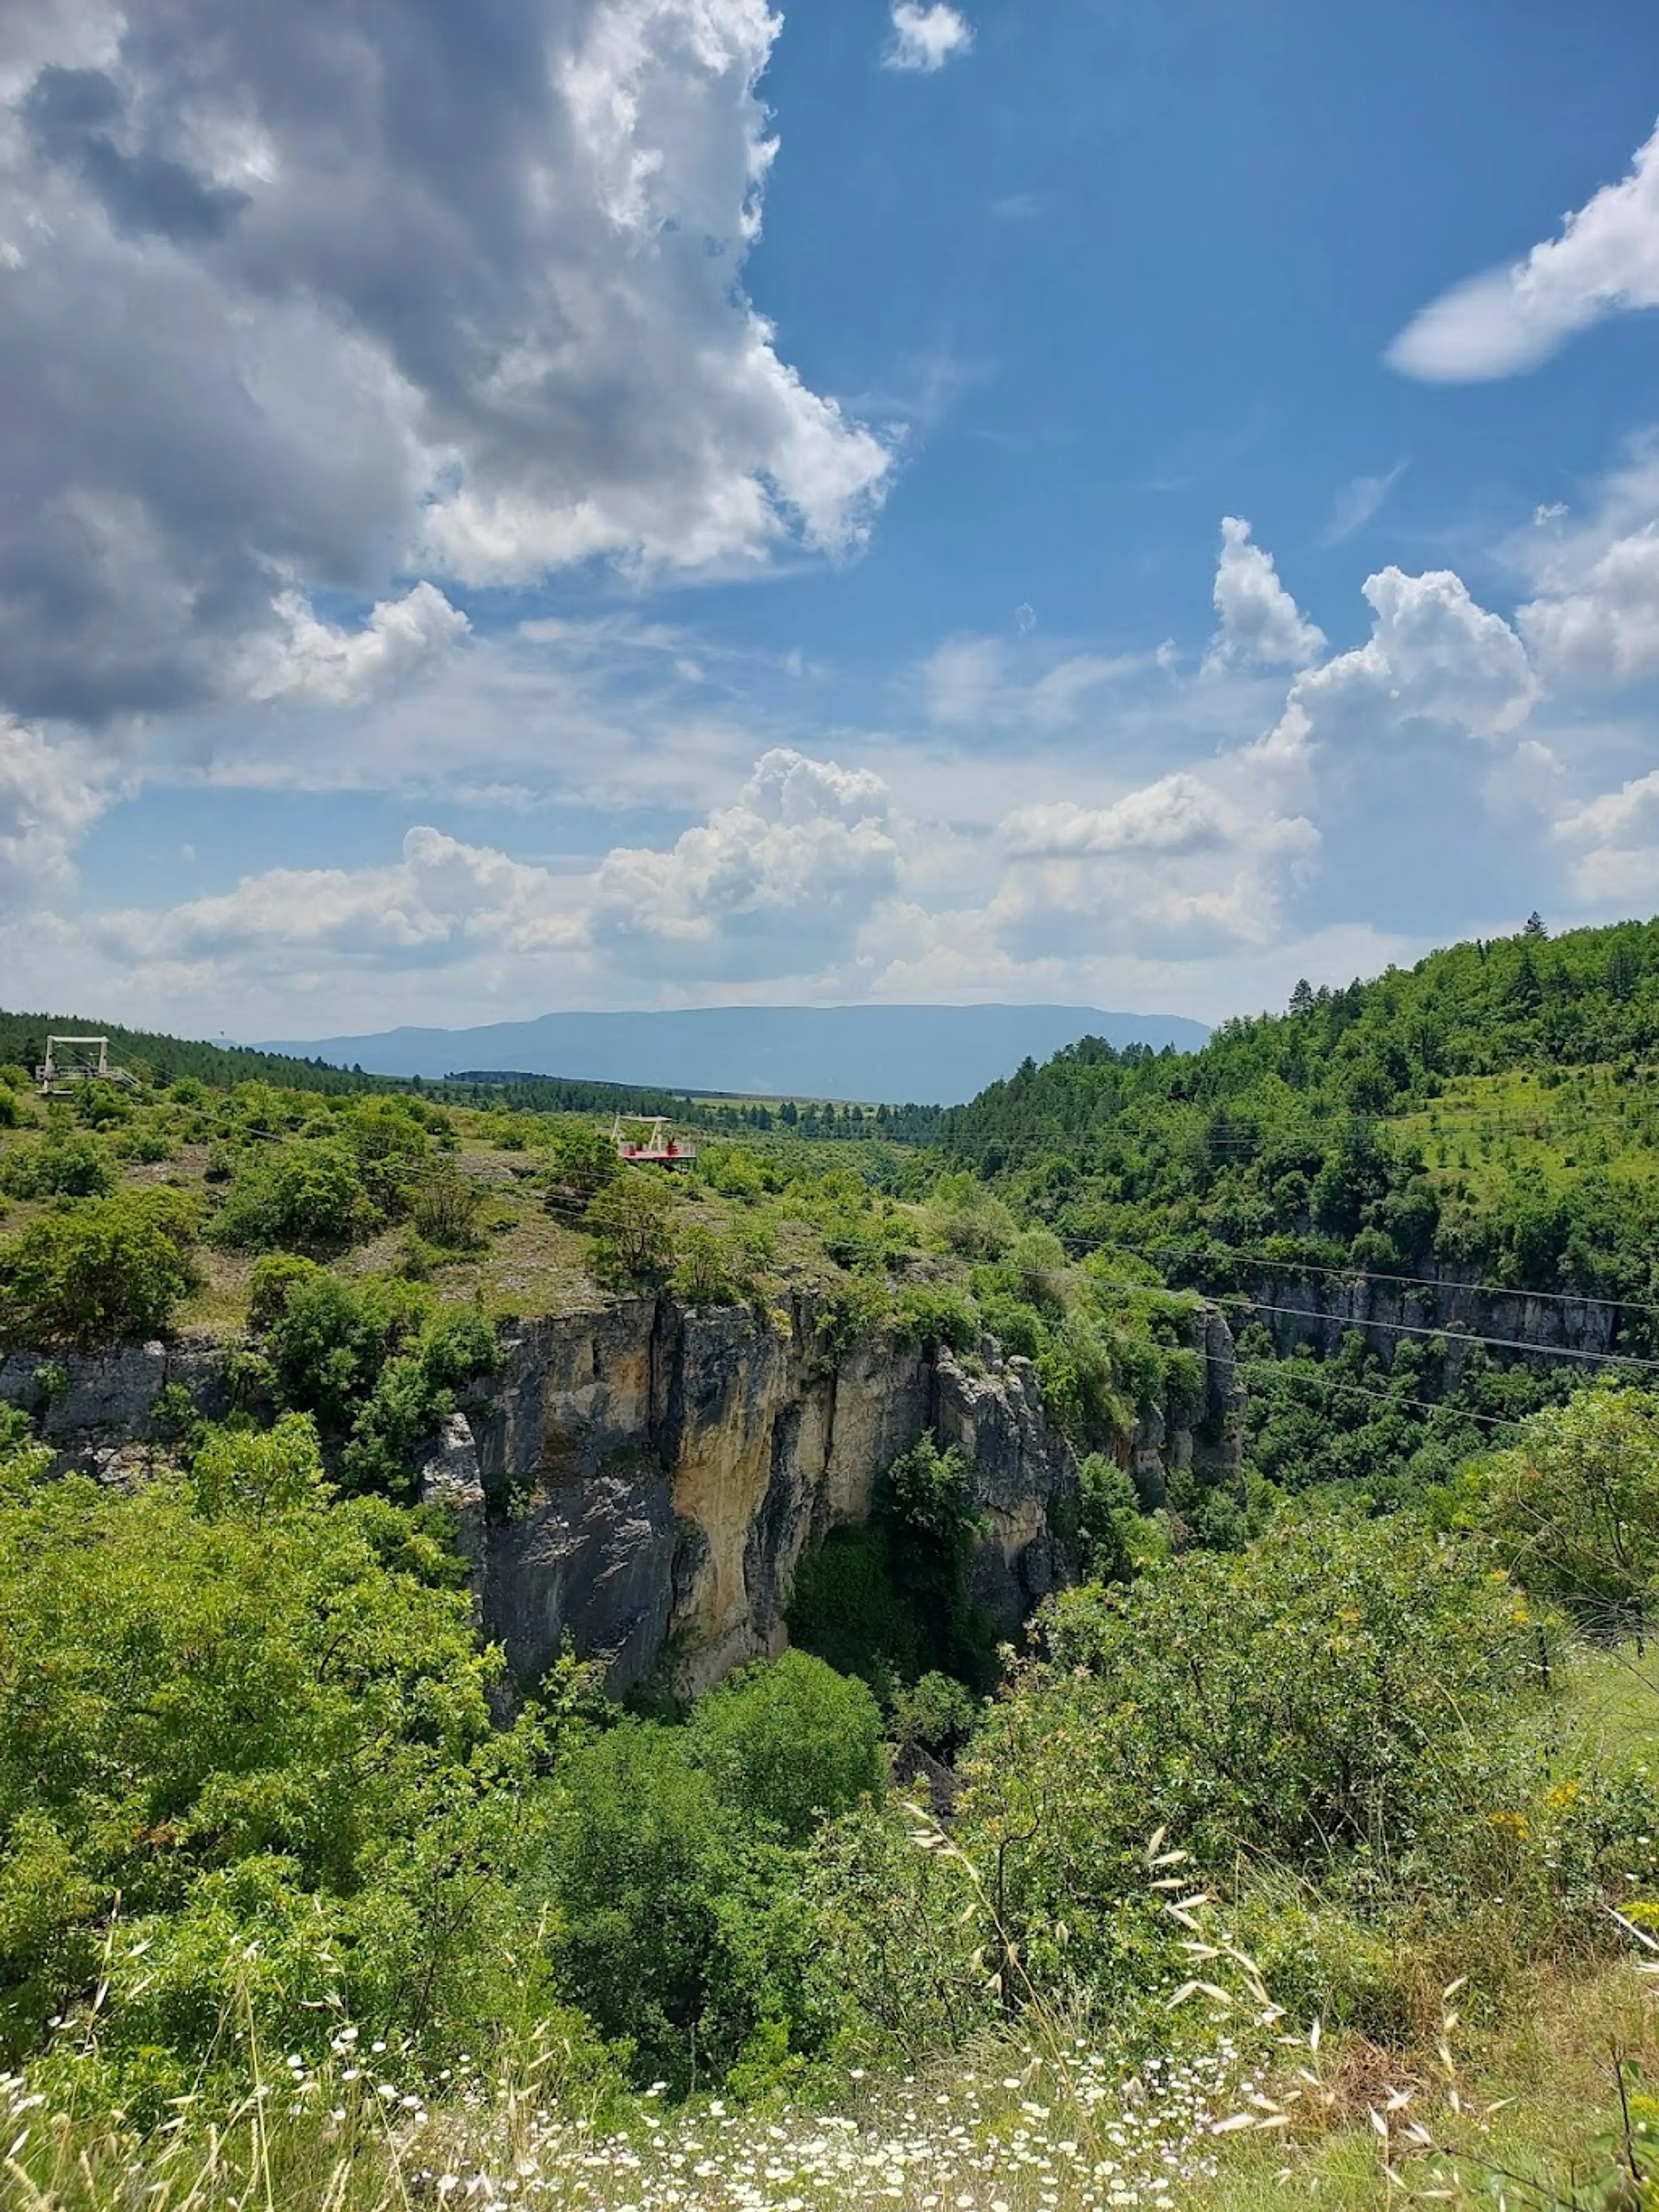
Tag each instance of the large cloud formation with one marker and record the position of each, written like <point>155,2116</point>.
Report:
<point>308,297</point>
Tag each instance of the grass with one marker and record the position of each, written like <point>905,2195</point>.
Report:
<point>1529,2110</point>
<point>1527,2114</point>
<point>998,2132</point>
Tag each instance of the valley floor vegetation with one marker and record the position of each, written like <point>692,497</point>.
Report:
<point>1310,1845</point>
<point>287,1914</point>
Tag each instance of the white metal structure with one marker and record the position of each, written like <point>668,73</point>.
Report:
<point>56,1073</point>
<point>661,1148</point>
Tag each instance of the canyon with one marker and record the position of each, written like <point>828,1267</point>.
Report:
<point>640,1479</point>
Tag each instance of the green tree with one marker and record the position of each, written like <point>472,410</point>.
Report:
<point>938,1712</point>
<point>631,1223</point>
<point>789,1744</point>
<point>679,1931</point>
<point>581,1161</point>
<point>246,1760</point>
<point>107,1269</point>
<point>1574,1507</point>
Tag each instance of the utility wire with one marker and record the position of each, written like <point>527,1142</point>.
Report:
<point>1430,1282</point>
<point>1083,1245</point>
<point>1454,1335</point>
<point>1445,1335</point>
<point>1424,1405</point>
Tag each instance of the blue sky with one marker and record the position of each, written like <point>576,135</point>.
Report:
<point>635,503</point>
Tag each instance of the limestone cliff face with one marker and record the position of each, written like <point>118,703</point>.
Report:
<point>646,1477</point>
<point>1386,1313</point>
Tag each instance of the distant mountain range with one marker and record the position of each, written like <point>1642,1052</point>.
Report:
<point>925,1055</point>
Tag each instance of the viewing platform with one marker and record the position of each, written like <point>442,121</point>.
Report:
<point>659,1147</point>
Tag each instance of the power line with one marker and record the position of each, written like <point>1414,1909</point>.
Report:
<point>1429,1282</point>
<point>1444,1334</point>
<point>1388,1397</point>
<point>1357,1275</point>
<point>1455,1335</point>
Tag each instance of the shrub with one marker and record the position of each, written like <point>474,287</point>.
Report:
<point>415,1391</point>
<point>850,1314</point>
<point>1040,1271</point>
<point>706,1272</point>
<point>328,1340</point>
<point>305,1194</point>
<point>370,1360</point>
<point>1081,1386</point>
<point>1574,1507</point>
<point>67,1163</point>
<point>391,1147</point>
<point>581,1161</point>
<point>968,1220</point>
<point>928,1314</point>
<point>1114,1541</point>
<point>107,1269</point>
<point>101,1105</point>
<point>939,1713</point>
<point>148,1138</point>
<point>1334,1690</point>
<point>272,1278</point>
<point>444,1209</point>
<point>734,1170</point>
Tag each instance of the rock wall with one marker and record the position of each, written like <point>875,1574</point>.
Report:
<point>1321,1311</point>
<point>645,1477</point>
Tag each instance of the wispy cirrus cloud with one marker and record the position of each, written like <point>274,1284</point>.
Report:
<point>1360,501</point>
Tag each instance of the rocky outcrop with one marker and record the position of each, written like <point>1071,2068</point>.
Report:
<point>652,1475</point>
<point>1204,1443</point>
<point>644,1478</point>
<point>1319,1310</point>
<point>649,1477</point>
<point>97,1406</point>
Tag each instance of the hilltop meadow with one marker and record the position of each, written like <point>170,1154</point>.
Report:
<point>1309,1846</point>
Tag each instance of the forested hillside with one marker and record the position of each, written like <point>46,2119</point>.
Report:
<point>1307,1845</point>
<point>1496,1106</point>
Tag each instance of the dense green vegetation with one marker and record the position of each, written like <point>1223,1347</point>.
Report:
<point>1374,1719</point>
<point>252,1793</point>
<point>1493,1106</point>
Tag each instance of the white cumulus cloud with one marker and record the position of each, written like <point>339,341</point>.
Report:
<point>1606,260</point>
<point>439,898</point>
<point>316,660</point>
<point>274,317</point>
<point>50,795</point>
<point>1433,655</point>
<point>779,884</point>
<point>1260,623</point>
<point>1618,839</point>
<point>925,38</point>
<point>1177,814</point>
